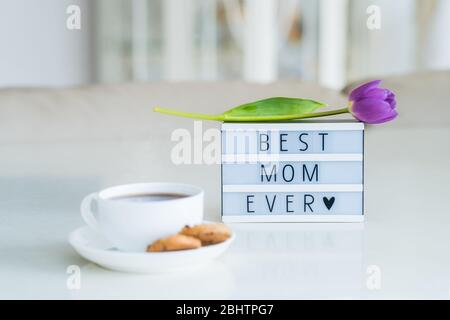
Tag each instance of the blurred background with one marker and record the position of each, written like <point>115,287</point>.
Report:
<point>327,42</point>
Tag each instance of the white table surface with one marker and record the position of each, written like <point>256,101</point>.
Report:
<point>405,238</point>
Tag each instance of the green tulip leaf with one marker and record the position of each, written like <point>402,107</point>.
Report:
<point>271,109</point>
<point>278,108</point>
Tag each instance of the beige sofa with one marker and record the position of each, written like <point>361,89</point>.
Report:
<point>124,111</point>
<point>121,111</point>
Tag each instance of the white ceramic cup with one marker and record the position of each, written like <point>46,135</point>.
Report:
<point>132,226</point>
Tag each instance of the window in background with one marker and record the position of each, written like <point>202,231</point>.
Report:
<point>37,49</point>
<point>255,40</point>
<point>321,41</point>
<point>413,37</point>
<point>388,50</point>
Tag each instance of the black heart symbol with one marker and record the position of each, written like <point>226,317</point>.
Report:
<point>328,202</point>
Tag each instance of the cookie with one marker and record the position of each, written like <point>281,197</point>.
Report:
<point>174,243</point>
<point>210,233</point>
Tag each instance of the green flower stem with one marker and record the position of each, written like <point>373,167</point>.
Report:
<point>285,117</point>
<point>218,117</point>
<point>224,117</point>
<point>323,114</point>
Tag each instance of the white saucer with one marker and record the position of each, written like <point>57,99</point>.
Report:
<point>95,248</point>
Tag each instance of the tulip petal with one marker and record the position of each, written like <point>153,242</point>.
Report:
<point>390,117</point>
<point>360,91</point>
<point>372,110</point>
<point>376,93</point>
<point>391,99</point>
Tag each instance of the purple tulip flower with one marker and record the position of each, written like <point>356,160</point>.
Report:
<point>371,104</point>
